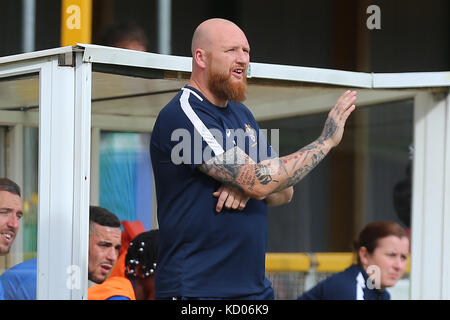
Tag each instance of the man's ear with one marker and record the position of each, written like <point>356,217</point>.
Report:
<point>363,256</point>
<point>200,58</point>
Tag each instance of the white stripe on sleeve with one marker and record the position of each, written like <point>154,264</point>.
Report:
<point>360,285</point>
<point>198,124</point>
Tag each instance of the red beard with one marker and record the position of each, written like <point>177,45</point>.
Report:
<point>222,87</point>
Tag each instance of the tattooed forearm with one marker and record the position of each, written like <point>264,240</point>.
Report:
<point>236,169</point>
<point>233,168</point>
<point>263,174</point>
<point>301,172</point>
<point>226,175</point>
<point>328,130</point>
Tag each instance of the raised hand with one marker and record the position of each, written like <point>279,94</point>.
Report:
<point>334,126</point>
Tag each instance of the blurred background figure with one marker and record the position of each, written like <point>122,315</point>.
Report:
<point>125,182</point>
<point>382,250</point>
<point>402,194</point>
<point>126,35</point>
<point>140,267</point>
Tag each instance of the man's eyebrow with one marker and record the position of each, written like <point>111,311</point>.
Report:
<point>105,243</point>
<point>234,46</point>
<point>109,244</point>
<point>10,209</point>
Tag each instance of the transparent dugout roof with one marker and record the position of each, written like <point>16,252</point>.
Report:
<point>136,84</point>
<point>125,95</point>
<point>19,93</point>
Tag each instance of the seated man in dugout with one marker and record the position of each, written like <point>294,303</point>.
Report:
<point>10,213</point>
<point>138,281</point>
<point>19,282</point>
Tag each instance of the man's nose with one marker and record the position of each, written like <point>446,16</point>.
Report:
<point>13,221</point>
<point>112,254</point>
<point>243,57</point>
<point>398,263</point>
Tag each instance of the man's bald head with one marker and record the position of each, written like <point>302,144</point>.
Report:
<point>209,32</point>
<point>220,58</point>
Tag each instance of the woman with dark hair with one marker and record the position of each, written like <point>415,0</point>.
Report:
<point>382,250</point>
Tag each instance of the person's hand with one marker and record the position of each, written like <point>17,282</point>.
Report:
<point>334,126</point>
<point>230,198</point>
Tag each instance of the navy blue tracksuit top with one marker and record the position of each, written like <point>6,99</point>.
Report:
<point>350,284</point>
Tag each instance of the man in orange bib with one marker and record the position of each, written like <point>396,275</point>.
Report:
<point>140,266</point>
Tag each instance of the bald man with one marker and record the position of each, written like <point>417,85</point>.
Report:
<point>215,174</point>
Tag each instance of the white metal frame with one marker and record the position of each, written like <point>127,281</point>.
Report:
<point>15,172</point>
<point>430,262</point>
<point>65,137</point>
<point>82,162</point>
<point>63,170</point>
